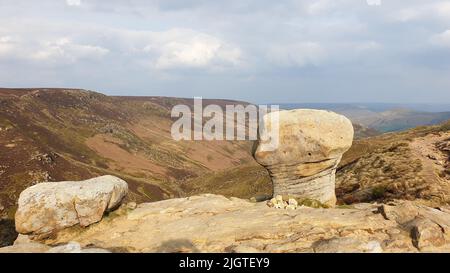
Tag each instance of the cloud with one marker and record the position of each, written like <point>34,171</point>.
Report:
<point>47,51</point>
<point>429,11</point>
<point>441,39</point>
<point>6,45</point>
<point>181,48</point>
<point>73,3</point>
<point>66,51</point>
<point>373,2</point>
<point>298,54</point>
<point>160,50</point>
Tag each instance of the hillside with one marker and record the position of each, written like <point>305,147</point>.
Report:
<point>65,134</point>
<point>411,165</point>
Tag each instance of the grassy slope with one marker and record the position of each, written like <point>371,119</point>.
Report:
<point>44,136</point>
<point>386,167</point>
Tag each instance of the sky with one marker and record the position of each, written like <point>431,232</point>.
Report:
<point>259,51</point>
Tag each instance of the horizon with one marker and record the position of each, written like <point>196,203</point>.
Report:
<point>305,51</point>
<point>432,107</point>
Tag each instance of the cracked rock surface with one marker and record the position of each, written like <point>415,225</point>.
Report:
<point>48,207</point>
<point>213,223</point>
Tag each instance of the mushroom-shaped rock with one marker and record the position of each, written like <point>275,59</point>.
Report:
<point>311,144</point>
<point>51,206</point>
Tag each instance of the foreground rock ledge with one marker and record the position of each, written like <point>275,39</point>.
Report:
<point>48,207</point>
<point>212,223</point>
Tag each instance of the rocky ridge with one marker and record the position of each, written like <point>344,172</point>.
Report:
<point>213,223</point>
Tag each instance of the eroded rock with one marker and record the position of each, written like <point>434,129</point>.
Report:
<point>48,207</point>
<point>311,144</point>
<point>34,247</point>
<point>212,223</point>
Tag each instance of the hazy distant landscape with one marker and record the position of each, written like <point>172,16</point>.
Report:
<point>384,117</point>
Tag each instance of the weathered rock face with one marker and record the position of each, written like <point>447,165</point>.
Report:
<point>212,223</point>
<point>311,144</point>
<point>34,247</point>
<point>48,207</point>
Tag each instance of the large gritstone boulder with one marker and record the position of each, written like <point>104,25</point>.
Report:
<point>52,206</point>
<point>311,144</point>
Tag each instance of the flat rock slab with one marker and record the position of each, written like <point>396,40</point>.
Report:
<point>212,223</point>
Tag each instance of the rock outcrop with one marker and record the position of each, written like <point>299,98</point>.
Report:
<point>311,144</point>
<point>213,223</point>
<point>34,247</point>
<point>48,207</point>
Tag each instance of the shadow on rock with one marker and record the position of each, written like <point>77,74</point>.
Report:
<point>177,246</point>
<point>8,232</point>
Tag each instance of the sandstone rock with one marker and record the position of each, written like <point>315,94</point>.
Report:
<point>212,223</point>
<point>34,247</point>
<point>311,144</point>
<point>26,248</point>
<point>131,205</point>
<point>74,247</point>
<point>48,207</point>
<point>279,202</point>
<point>426,234</point>
<point>347,245</point>
<point>293,202</point>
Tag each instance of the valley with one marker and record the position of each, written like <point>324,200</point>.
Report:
<point>67,134</point>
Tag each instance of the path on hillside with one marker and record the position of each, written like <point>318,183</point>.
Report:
<point>433,160</point>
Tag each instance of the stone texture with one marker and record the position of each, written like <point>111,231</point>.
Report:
<point>429,228</point>
<point>25,248</point>
<point>71,247</point>
<point>347,245</point>
<point>47,207</point>
<point>311,144</point>
<point>212,223</point>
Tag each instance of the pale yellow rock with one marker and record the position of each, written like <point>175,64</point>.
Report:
<point>47,207</point>
<point>34,247</point>
<point>25,248</point>
<point>212,223</point>
<point>293,202</point>
<point>311,144</point>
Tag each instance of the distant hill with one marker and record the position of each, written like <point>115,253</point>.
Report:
<point>384,117</point>
<point>67,134</point>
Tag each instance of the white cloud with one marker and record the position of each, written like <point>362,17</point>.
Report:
<point>180,48</point>
<point>443,9</point>
<point>442,39</point>
<point>6,45</point>
<point>73,3</point>
<point>320,6</point>
<point>429,11</point>
<point>161,50</point>
<point>53,51</point>
<point>64,50</point>
<point>298,54</point>
<point>373,2</point>
<point>367,46</point>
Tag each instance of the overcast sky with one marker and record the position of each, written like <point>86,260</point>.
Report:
<point>259,51</point>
